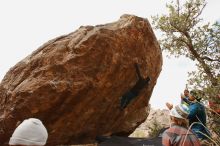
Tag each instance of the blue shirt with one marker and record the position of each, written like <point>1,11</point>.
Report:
<point>197,114</point>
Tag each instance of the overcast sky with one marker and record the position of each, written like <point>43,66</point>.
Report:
<point>27,24</point>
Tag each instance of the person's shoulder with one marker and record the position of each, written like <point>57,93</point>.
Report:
<point>192,105</point>
<point>174,128</point>
<point>198,104</point>
<point>169,130</point>
<point>178,129</point>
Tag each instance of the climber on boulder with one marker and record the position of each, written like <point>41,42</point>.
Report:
<point>135,90</point>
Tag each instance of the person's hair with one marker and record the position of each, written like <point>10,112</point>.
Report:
<point>186,90</point>
<point>180,122</point>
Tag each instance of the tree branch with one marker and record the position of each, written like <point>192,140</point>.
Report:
<point>200,12</point>
<point>210,59</point>
<point>178,9</point>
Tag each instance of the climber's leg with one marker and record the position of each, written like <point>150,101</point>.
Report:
<point>126,99</point>
<point>137,68</point>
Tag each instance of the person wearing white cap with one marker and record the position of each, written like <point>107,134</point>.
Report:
<point>178,134</point>
<point>31,132</point>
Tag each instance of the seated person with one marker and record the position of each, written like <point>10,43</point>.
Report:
<point>197,116</point>
<point>178,134</point>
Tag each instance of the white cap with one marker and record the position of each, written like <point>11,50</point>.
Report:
<point>180,111</point>
<point>29,132</point>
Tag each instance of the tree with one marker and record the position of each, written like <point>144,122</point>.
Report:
<point>184,33</point>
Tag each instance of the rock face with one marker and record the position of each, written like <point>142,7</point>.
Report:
<point>73,83</point>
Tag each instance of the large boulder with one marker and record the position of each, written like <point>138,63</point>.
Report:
<point>74,83</point>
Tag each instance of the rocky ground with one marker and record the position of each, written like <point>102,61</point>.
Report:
<point>156,120</point>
